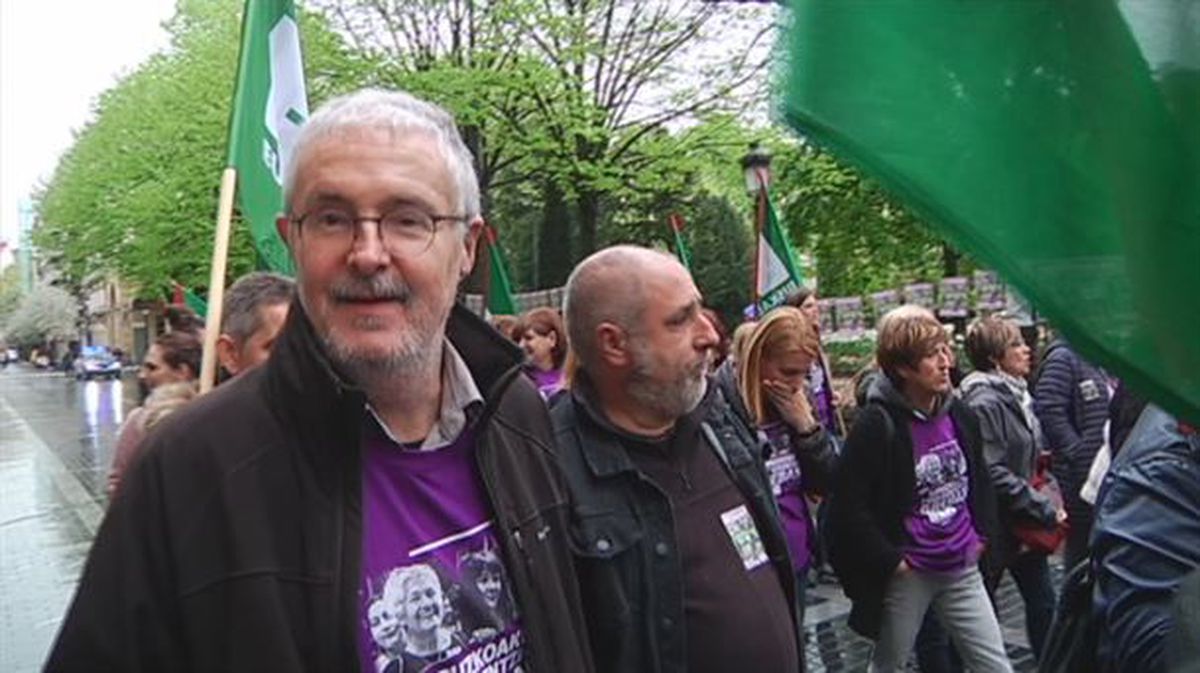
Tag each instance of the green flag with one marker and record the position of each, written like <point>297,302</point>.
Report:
<point>681,249</point>
<point>500,300</point>
<point>776,271</point>
<point>185,297</point>
<point>1058,142</point>
<point>269,105</point>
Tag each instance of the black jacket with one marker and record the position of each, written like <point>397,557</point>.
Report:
<point>1071,398</point>
<point>1010,449</point>
<point>235,543</point>
<point>873,492</point>
<point>618,514</point>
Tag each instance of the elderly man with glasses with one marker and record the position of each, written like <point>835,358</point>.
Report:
<point>389,428</point>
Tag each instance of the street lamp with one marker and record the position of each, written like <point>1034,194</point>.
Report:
<point>756,166</point>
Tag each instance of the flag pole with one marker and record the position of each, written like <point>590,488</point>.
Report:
<point>760,216</point>
<point>216,283</point>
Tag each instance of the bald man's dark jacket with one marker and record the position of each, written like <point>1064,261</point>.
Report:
<point>235,543</point>
<point>623,534</point>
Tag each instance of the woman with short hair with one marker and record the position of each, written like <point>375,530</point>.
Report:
<point>1012,442</point>
<point>545,343</point>
<point>912,510</point>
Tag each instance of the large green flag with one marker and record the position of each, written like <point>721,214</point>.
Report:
<point>1058,142</point>
<point>776,272</point>
<point>269,105</point>
<point>500,299</point>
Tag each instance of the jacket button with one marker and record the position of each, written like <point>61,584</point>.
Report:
<point>603,545</point>
<point>661,549</point>
<point>667,623</point>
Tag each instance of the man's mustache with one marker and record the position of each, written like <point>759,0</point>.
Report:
<point>374,288</point>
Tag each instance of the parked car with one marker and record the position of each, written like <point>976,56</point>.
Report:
<point>97,362</point>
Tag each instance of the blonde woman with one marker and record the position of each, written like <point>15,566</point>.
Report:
<point>774,363</point>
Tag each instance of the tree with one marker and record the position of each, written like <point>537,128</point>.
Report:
<point>721,252</point>
<point>46,314</point>
<point>137,192</point>
<point>861,238</point>
<point>10,291</point>
<point>577,96</point>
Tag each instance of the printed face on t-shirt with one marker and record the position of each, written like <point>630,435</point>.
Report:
<point>422,604</point>
<point>490,586</point>
<point>385,628</point>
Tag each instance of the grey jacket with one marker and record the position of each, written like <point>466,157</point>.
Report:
<point>1011,446</point>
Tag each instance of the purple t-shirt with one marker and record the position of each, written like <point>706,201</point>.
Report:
<point>548,381</point>
<point>787,484</point>
<point>822,396</point>
<point>435,595</point>
<point>940,525</point>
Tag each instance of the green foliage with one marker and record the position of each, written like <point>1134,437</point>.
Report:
<point>137,192</point>
<point>46,314</point>
<point>576,98</point>
<point>10,291</point>
<point>862,239</point>
<point>721,253</point>
<point>847,358</point>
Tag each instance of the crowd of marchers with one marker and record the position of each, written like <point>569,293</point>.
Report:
<point>384,482</point>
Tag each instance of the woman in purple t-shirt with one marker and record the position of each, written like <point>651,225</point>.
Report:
<point>801,459</point>
<point>545,343</point>
<point>912,509</point>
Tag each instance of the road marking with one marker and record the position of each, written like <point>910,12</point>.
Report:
<point>76,497</point>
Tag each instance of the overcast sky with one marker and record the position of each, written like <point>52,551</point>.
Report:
<point>55,58</point>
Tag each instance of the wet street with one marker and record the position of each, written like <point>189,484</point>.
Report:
<point>56,442</point>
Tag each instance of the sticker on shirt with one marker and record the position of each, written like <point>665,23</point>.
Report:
<point>435,616</point>
<point>744,535</point>
<point>1089,389</point>
<point>941,482</point>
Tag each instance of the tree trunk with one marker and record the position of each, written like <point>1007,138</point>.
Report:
<point>554,239</point>
<point>950,260</point>
<point>589,221</point>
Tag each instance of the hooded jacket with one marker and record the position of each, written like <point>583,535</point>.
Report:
<point>1010,448</point>
<point>874,490</point>
<point>235,543</point>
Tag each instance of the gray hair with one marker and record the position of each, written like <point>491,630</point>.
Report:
<point>398,579</point>
<point>590,298</point>
<point>240,318</point>
<point>392,111</point>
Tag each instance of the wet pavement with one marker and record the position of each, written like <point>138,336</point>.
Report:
<point>56,439</point>
<point>56,442</point>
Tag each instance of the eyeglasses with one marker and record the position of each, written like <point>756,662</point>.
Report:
<point>406,230</point>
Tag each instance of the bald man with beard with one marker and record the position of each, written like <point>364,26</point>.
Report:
<point>680,555</point>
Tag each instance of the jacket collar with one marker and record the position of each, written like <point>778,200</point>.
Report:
<point>603,446</point>
<point>312,396</point>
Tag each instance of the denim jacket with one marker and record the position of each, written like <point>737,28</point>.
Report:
<point>621,530</point>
